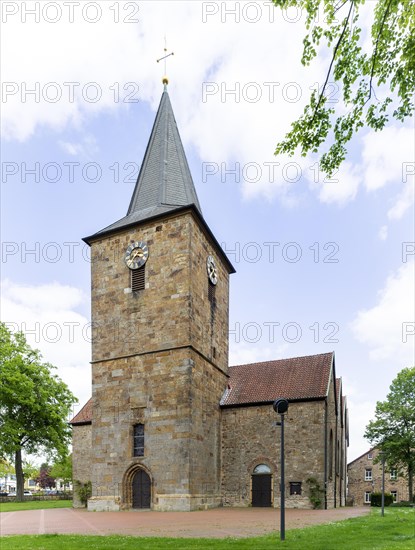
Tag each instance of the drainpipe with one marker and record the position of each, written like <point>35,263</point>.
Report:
<point>336,464</point>
<point>325,454</point>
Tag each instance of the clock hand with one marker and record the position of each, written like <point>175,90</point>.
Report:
<point>136,252</point>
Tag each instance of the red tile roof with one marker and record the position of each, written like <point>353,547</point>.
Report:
<point>84,416</point>
<point>298,378</point>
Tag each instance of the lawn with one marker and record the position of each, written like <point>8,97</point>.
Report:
<point>34,505</point>
<point>394,531</point>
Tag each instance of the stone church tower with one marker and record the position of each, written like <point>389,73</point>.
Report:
<point>169,426</point>
<point>160,289</point>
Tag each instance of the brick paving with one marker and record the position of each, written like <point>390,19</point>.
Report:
<point>221,522</point>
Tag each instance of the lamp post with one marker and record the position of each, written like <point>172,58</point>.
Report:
<point>383,457</point>
<point>280,406</point>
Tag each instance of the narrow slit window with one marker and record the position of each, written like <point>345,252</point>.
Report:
<point>138,440</point>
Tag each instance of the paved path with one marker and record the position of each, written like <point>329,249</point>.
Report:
<point>221,522</point>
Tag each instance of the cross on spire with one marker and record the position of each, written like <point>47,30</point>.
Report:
<point>164,58</point>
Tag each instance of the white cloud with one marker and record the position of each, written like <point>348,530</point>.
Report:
<point>243,353</point>
<point>383,233</point>
<point>211,44</point>
<point>271,87</point>
<point>360,413</point>
<point>405,199</point>
<point>385,328</point>
<point>342,187</point>
<point>49,317</point>
<point>388,159</point>
<point>86,148</point>
<point>383,155</point>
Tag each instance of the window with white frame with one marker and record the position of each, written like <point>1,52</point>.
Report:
<point>367,497</point>
<point>370,456</point>
<point>394,474</point>
<point>394,495</point>
<point>368,474</point>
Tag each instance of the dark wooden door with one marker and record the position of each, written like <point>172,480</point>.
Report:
<point>141,490</point>
<point>261,490</point>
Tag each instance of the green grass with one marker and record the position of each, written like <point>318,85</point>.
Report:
<point>394,531</point>
<point>34,505</point>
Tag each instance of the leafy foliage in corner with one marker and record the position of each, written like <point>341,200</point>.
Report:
<point>393,429</point>
<point>315,493</point>
<point>375,86</point>
<point>83,490</point>
<point>34,404</point>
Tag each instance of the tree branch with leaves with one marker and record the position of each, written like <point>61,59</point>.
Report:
<point>376,86</point>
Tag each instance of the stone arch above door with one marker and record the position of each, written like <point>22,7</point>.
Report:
<point>130,479</point>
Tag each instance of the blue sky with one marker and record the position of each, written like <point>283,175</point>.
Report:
<point>308,253</point>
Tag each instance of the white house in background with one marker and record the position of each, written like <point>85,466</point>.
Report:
<point>8,483</point>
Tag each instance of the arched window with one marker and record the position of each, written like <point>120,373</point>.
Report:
<point>262,469</point>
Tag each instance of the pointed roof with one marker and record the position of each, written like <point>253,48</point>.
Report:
<point>164,183</point>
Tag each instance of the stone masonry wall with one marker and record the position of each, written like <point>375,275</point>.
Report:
<point>81,458</point>
<point>357,486</point>
<point>250,437</point>
<point>153,363</point>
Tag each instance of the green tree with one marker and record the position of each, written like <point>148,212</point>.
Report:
<point>62,469</point>
<point>30,470</point>
<point>34,404</point>
<point>393,429</point>
<point>5,467</point>
<point>375,86</point>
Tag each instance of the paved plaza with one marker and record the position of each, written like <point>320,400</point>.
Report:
<point>220,522</point>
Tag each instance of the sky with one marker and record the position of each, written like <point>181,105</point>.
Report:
<point>321,264</point>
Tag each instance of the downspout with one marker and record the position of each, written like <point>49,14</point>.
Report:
<point>325,454</point>
<point>336,466</point>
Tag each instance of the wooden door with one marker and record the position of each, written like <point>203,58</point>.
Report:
<point>141,490</point>
<point>261,490</point>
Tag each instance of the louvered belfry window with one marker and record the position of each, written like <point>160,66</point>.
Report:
<point>212,293</point>
<point>138,279</point>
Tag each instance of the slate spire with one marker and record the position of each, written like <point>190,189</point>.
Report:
<point>164,183</point>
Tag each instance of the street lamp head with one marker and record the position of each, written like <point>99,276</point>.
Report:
<point>280,406</point>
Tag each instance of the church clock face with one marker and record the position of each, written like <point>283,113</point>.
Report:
<point>136,255</point>
<point>211,270</point>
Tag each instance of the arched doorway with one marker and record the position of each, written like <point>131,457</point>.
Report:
<point>141,490</point>
<point>262,486</point>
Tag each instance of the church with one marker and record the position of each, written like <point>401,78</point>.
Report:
<point>170,425</point>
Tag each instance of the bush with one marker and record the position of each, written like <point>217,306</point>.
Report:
<point>403,504</point>
<point>376,499</point>
<point>84,491</point>
<point>316,493</point>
